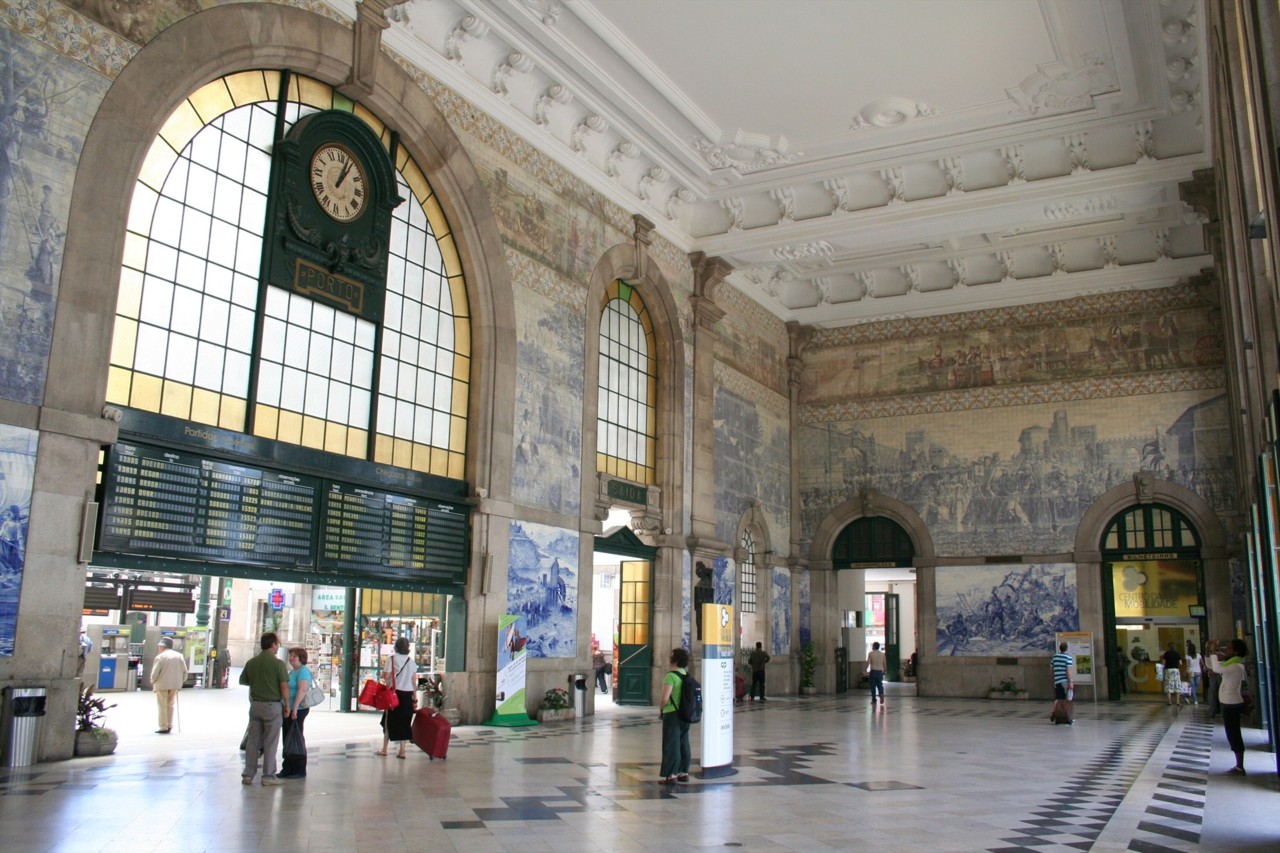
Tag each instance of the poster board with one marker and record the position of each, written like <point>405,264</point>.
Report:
<point>1080,647</point>
<point>509,705</point>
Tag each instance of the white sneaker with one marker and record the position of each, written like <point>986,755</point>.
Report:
<point>268,781</point>
<point>246,780</point>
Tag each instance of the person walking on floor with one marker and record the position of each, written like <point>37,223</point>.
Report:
<point>1229,663</point>
<point>294,765</point>
<point>601,666</point>
<point>168,674</point>
<point>268,682</point>
<point>1195,670</point>
<point>1173,675</point>
<point>757,660</point>
<point>875,673</point>
<point>1063,686</point>
<point>401,676</point>
<point>676,754</point>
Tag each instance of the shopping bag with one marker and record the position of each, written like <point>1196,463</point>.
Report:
<point>369,693</point>
<point>387,700</point>
<point>293,742</point>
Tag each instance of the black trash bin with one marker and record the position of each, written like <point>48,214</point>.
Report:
<point>23,708</point>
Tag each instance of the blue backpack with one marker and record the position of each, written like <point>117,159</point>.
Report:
<point>690,708</point>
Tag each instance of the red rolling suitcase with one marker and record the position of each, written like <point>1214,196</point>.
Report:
<point>431,732</point>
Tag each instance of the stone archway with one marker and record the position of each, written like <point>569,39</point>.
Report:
<point>1147,489</point>
<point>823,581</point>
<point>200,48</point>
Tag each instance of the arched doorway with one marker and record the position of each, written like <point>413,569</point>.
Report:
<point>632,641</point>
<point>880,598</point>
<point>1152,595</point>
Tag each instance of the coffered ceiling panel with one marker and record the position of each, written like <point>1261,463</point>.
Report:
<point>860,159</point>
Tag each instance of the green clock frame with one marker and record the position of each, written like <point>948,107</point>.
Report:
<point>332,193</point>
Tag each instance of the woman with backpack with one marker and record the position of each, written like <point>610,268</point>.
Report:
<point>675,732</point>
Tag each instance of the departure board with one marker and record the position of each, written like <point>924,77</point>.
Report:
<point>174,504</point>
<point>177,504</point>
<point>396,534</point>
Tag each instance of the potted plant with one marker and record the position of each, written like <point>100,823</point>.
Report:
<point>431,695</point>
<point>1008,689</point>
<point>556,705</point>
<point>92,738</point>
<point>808,667</point>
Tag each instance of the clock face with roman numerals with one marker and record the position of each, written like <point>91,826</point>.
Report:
<point>338,182</point>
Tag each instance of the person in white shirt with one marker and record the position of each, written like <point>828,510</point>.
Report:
<point>1230,664</point>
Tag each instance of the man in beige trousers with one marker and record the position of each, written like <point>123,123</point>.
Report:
<point>168,674</point>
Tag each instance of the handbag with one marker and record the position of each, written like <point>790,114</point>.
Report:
<point>314,695</point>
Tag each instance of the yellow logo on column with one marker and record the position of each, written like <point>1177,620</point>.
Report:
<point>718,619</point>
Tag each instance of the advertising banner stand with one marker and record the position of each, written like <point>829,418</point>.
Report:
<point>717,691</point>
<point>509,707</point>
<point>1080,647</point>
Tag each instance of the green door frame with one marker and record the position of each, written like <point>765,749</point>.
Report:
<point>635,614</point>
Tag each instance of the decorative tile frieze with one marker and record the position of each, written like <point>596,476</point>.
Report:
<point>69,33</point>
<point>730,379</point>
<point>1020,395</point>
<point>1128,302</point>
<point>525,272</point>
<point>744,310</point>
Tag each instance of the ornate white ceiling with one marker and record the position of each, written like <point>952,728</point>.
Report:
<point>860,159</point>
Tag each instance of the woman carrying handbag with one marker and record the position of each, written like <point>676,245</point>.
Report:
<point>401,676</point>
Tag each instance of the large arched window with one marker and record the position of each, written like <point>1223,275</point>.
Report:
<point>626,435</point>
<point>196,338</point>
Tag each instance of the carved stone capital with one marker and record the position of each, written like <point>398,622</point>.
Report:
<point>1144,487</point>
<point>706,313</point>
<point>708,273</point>
<point>371,20</point>
<point>1201,194</point>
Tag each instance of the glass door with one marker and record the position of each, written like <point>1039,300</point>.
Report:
<point>635,613</point>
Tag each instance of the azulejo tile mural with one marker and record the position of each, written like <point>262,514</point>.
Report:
<point>546,466</point>
<point>752,456</point>
<point>1005,610</point>
<point>780,612</point>
<point>1018,480</point>
<point>45,107</point>
<point>542,586</point>
<point>17,474</point>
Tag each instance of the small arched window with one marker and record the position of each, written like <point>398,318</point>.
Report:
<point>748,577</point>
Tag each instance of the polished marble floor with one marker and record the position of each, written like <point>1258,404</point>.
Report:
<point>820,773</point>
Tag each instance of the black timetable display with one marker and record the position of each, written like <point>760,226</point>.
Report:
<point>173,504</point>
<point>369,529</point>
<point>177,504</point>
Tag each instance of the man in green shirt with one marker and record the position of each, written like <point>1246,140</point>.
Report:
<point>268,681</point>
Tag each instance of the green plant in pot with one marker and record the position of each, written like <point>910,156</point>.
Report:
<point>808,667</point>
<point>93,738</point>
<point>557,704</point>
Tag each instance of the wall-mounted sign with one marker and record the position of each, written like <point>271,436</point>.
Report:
<point>276,599</point>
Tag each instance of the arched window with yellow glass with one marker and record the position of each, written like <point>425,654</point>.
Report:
<point>199,336</point>
<point>626,434</point>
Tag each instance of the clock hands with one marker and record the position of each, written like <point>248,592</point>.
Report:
<point>342,176</point>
